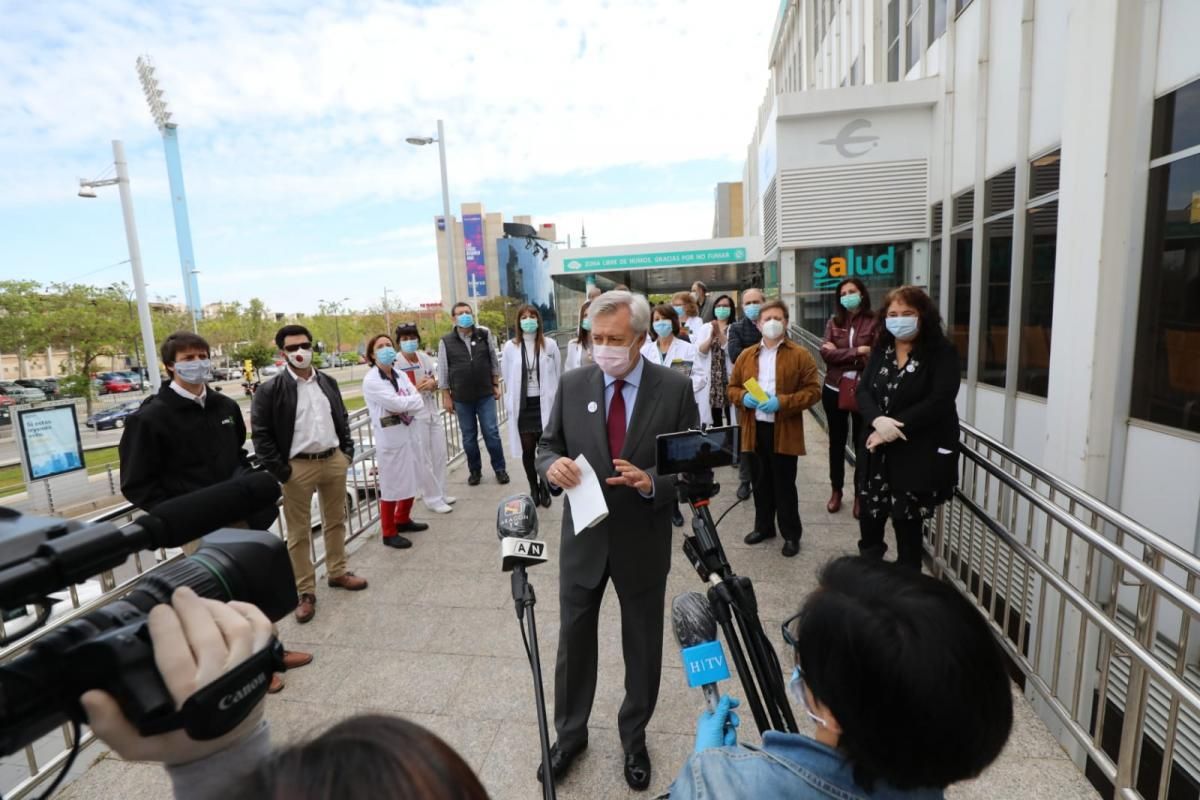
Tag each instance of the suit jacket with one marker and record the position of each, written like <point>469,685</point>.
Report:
<point>634,540</point>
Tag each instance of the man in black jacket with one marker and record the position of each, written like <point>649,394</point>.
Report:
<point>742,334</point>
<point>302,435</point>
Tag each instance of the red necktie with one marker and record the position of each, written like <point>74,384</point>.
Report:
<point>616,420</point>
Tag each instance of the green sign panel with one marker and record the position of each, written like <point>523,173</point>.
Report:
<point>679,258</point>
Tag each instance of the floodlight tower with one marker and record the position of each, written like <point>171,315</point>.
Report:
<point>183,230</point>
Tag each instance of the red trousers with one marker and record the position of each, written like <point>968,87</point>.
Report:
<point>393,513</point>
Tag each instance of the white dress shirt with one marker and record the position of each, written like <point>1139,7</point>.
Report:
<point>766,374</point>
<point>314,431</point>
<point>184,393</point>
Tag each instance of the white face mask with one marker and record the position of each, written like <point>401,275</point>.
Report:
<point>300,359</point>
<point>772,329</point>
<point>612,360</point>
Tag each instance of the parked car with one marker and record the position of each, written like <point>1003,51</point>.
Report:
<point>268,372</point>
<point>111,418</point>
<point>21,394</point>
<point>48,386</point>
<point>227,374</point>
<point>114,383</point>
<point>5,416</point>
<point>360,487</point>
<point>134,377</point>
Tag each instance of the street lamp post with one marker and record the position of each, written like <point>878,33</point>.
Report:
<point>441,140</point>
<point>88,189</point>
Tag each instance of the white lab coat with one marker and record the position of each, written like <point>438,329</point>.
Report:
<point>431,434</point>
<point>694,326</point>
<point>549,372</point>
<point>685,351</point>
<point>396,455</point>
<point>575,355</point>
<point>705,334</point>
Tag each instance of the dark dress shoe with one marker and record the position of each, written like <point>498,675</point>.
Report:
<point>544,496</point>
<point>791,547</point>
<point>398,542</point>
<point>743,492</point>
<point>560,762</point>
<point>754,537</point>
<point>412,527</point>
<point>677,517</point>
<point>637,770</point>
<point>857,507</point>
<point>473,479</point>
<point>835,502</point>
<point>502,476</point>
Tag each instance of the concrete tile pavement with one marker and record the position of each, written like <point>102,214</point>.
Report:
<point>435,639</point>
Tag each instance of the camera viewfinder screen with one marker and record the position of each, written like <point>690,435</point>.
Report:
<point>692,451</point>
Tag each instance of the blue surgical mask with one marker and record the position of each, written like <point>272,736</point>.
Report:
<point>409,345</point>
<point>850,301</point>
<point>586,324</point>
<point>386,356</point>
<point>721,312</point>
<point>663,327</point>
<point>800,696</point>
<point>903,328</point>
<point>751,310</point>
<point>679,312</point>
<point>529,325</point>
<point>466,320</point>
<point>199,371</point>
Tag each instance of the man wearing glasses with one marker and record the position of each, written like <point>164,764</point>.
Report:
<point>301,434</point>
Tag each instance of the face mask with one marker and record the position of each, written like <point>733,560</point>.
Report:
<point>300,359</point>
<point>796,690</point>
<point>772,329</point>
<point>194,371</point>
<point>409,345</point>
<point>386,356</point>
<point>850,301</point>
<point>586,324</point>
<point>903,328</point>
<point>751,311</point>
<point>529,325</point>
<point>663,327</point>
<point>466,320</point>
<point>612,360</point>
<point>721,313</point>
<point>679,312</point>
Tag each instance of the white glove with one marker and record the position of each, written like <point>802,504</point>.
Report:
<point>196,640</point>
<point>889,429</point>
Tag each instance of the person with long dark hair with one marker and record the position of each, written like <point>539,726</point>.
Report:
<point>909,460</point>
<point>849,335</point>
<point>529,365</point>
<point>714,344</point>
<point>579,349</point>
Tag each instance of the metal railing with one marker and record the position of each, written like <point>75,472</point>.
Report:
<point>1095,611</point>
<point>46,756</point>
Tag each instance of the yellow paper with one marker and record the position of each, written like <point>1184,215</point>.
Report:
<point>755,390</point>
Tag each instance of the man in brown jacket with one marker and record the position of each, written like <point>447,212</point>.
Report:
<point>773,431</point>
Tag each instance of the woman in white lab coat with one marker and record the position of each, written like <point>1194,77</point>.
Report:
<point>668,350</point>
<point>529,365</point>
<point>393,404</point>
<point>579,349</point>
<point>421,371</point>
<point>684,304</point>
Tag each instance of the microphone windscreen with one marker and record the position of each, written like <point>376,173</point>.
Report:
<point>516,517</point>
<point>183,519</point>
<point>692,619</point>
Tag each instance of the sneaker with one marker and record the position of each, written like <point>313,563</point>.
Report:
<point>439,508</point>
<point>502,476</point>
<point>448,500</point>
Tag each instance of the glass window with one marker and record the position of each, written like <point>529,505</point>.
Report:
<point>1000,192</point>
<point>959,5</point>
<point>1037,302</point>
<point>997,277</point>
<point>960,297</point>
<point>893,39</point>
<point>1043,174</point>
<point>1176,121</point>
<point>881,267</point>
<point>964,208</point>
<point>913,33</point>
<point>937,19</point>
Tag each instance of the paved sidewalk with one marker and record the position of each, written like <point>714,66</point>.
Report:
<point>435,639</point>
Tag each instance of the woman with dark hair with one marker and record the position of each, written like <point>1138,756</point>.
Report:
<point>393,404</point>
<point>903,681</point>
<point>849,335</point>
<point>529,364</point>
<point>909,461</point>
<point>421,371</point>
<point>579,349</point>
<point>714,343</point>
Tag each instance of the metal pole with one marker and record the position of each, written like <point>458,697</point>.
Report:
<point>441,137</point>
<point>183,229</point>
<point>135,264</point>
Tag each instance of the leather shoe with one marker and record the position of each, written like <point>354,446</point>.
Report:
<point>637,770</point>
<point>754,537</point>
<point>398,542</point>
<point>857,507</point>
<point>743,492</point>
<point>349,581</point>
<point>791,547</point>
<point>294,659</point>
<point>276,685</point>
<point>560,762</point>
<point>835,502</point>
<point>307,608</point>
<point>412,527</point>
<point>677,517</point>
<point>473,479</point>
<point>502,476</point>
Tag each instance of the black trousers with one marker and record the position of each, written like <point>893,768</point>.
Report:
<point>908,539</point>
<point>839,428</point>
<point>575,671</point>
<point>774,486</point>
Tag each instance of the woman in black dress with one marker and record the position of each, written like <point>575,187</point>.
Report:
<point>909,460</point>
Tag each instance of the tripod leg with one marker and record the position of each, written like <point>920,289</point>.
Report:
<point>762,654</point>
<point>721,610</point>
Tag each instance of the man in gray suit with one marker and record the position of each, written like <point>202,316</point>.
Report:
<point>611,412</point>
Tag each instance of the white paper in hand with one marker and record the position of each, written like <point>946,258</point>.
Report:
<point>587,499</point>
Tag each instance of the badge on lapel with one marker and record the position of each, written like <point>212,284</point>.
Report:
<point>592,407</point>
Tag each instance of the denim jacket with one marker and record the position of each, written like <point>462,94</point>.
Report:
<point>787,765</point>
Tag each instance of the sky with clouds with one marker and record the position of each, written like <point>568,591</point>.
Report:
<point>292,116</point>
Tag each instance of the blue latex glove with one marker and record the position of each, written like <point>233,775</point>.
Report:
<point>748,401</point>
<point>771,406</point>
<point>718,729</point>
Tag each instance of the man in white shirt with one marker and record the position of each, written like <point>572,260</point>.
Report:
<point>302,435</point>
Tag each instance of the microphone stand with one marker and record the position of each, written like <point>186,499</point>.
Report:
<point>524,600</point>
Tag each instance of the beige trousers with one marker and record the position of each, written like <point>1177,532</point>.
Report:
<point>328,477</point>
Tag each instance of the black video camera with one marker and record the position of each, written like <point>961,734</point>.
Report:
<point>109,647</point>
<point>693,455</point>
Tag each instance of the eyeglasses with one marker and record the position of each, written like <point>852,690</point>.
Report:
<point>291,348</point>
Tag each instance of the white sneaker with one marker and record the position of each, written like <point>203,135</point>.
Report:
<point>448,500</point>
<point>440,508</point>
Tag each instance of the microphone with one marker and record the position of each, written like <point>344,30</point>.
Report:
<point>696,632</point>
<point>517,527</point>
<point>181,519</point>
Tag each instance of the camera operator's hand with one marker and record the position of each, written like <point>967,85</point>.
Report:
<point>748,401</point>
<point>195,641</point>
<point>564,473</point>
<point>719,728</point>
<point>630,476</point>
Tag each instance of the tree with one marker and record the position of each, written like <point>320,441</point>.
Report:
<point>260,355</point>
<point>94,322</point>
<point>22,321</point>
